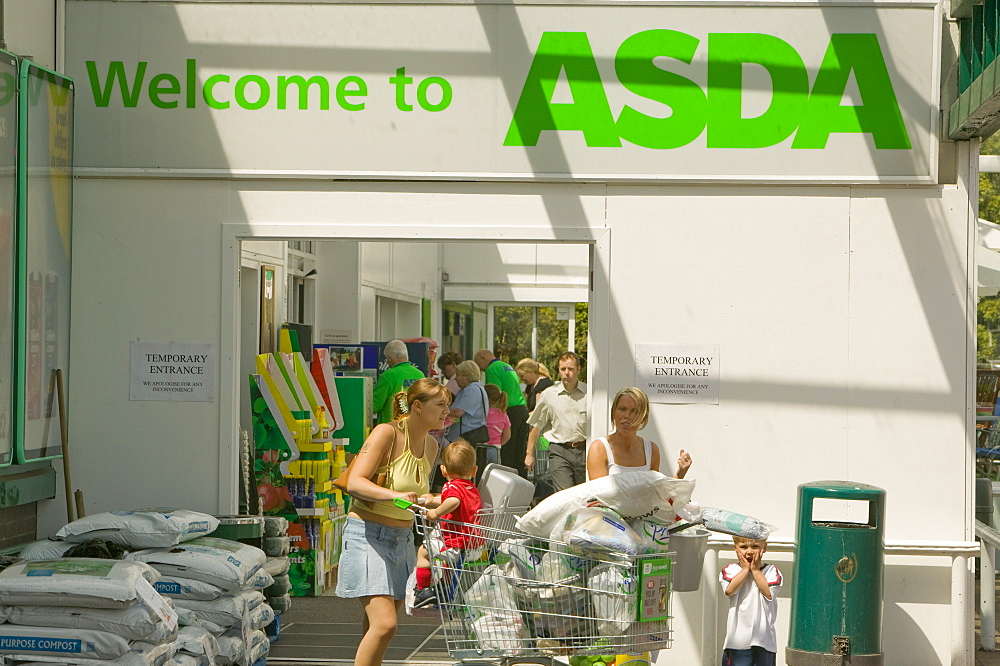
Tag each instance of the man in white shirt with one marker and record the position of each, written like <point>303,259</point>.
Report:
<point>561,413</point>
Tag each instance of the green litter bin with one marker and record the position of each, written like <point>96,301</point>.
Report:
<point>836,615</point>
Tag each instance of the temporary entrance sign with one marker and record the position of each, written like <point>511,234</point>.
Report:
<point>174,371</point>
<point>791,93</point>
<point>679,374</point>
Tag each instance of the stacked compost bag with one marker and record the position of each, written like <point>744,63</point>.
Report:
<point>175,596</point>
<point>215,585</point>
<point>276,544</point>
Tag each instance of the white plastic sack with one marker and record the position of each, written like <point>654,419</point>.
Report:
<point>653,535</point>
<point>259,646</point>
<point>277,566</point>
<point>45,549</point>
<point>261,616</point>
<point>138,622</point>
<point>630,494</point>
<point>76,581</point>
<point>228,564</point>
<point>199,642</point>
<point>261,580</point>
<point>614,592</point>
<point>186,588</point>
<point>497,622</point>
<point>227,610</point>
<point>559,608</point>
<point>61,642</point>
<point>730,522</point>
<point>142,528</point>
<point>231,649</point>
<point>186,659</point>
<point>596,529</point>
<point>519,558</point>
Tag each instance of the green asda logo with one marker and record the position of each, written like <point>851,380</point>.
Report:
<point>812,111</point>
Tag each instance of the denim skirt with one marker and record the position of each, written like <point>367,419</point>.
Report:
<point>376,560</point>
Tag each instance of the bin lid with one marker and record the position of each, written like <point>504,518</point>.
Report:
<point>840,489</point>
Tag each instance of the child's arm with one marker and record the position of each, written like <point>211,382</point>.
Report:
<point>737,581</point>
<point>430,500</point>
<point>758,577</point>
<point>446,507</point>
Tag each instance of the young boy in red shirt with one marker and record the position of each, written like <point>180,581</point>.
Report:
<point>458,502</point>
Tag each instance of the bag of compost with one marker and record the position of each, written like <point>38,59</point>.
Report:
<point>78,581</point>
<point>176,587</point>
<point>227,610</point>
<point>142,528</point>
<point>138,622</point>
<point>228,564</point>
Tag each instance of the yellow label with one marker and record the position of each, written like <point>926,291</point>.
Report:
<point>632,659</point>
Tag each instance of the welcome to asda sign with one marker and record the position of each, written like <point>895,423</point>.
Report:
<point>786,96</point>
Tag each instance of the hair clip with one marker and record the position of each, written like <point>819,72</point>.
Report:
<point>403,407</point>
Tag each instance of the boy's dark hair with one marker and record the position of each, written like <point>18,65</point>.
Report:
<point>449,358</point>
<point>459,458</point>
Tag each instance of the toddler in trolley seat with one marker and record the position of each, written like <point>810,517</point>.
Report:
<point>458,504</point>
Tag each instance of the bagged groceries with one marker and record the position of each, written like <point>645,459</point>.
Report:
<point>599,529</point>
<point>630,494</point>
<point>497,622</point>
<point>83,582</point>
<point>228,564</point>
<point>143,528</point>
<point>615,595</point>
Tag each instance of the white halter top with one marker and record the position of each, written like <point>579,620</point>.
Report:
<point>614,468</point>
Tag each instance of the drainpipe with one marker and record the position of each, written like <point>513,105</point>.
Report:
<point>3,40</point>
<point>60,64</point>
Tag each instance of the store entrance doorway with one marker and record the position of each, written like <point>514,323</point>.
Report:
<point>354,290</point>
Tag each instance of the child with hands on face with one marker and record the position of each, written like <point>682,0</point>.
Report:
<point>458,503</point>
<point>752,588</point>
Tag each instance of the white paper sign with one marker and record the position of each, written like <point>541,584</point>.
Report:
<point>157,603</point>
<point>334,336</point>
<point>678,374</point>
<point>174,371</point>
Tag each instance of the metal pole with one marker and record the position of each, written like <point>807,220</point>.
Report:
<point>64,438</point>
<point>987,596</point>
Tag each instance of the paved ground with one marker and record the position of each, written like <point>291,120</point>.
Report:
<point>325,630</point>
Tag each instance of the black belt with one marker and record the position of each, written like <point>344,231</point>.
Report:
<point>572,445</point>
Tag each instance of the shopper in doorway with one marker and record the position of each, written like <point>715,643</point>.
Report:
<point>398,377</point>
<point>378,552</point>
<point>561,412</point>
<point>447,364</point>
<point>498,425</point>
<point>752,588</point>
<point>624,450</point>
<point>502,375</point>
<point>536,379</point>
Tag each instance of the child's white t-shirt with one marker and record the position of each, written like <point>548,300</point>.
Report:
<point>751,615</point>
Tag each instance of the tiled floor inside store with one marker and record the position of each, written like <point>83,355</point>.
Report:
<point>326,630</point>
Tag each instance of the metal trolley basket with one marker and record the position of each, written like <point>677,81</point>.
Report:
<point>511,597</point>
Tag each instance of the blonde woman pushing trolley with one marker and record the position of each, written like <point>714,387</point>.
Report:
<point>379,554</point>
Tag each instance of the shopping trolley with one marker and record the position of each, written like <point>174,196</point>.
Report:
<point>511,597</point>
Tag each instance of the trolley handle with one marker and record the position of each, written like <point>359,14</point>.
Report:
<point>417,507</point>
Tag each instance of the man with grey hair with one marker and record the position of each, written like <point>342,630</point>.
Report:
<point>397,377</point>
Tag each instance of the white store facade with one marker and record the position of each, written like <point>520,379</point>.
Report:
<point>769,178</point>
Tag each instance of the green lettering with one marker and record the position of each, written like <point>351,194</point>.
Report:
<point>116,72</point>
<point>360,90</point>
<point>155,90</point>
<point>637,72</point>
<point>208,94</point>
<point>241,88</point>
<point>401,80</point>
<point>303,86</point>
<point>589,112</point>
<point>445,94</point>
<point>878,114</point>
<point>727,53</point>
<point>191,67</point>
